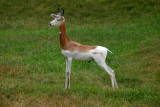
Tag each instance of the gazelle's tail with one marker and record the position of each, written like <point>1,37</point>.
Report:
<point>109,51</point>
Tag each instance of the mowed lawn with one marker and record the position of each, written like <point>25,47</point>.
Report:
<point>32,68</point>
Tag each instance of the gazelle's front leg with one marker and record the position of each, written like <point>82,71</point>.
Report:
<point>68,72</point>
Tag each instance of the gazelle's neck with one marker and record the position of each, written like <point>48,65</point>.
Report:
<point>63,36</point>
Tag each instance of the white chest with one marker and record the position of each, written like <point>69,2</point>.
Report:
<point>83,56</point>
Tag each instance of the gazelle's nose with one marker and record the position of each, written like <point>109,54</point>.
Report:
<point>50,24</point>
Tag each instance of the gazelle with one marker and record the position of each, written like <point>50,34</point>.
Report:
<point>75,51</point>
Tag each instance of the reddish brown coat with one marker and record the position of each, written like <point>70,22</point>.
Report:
<point>70,45</point>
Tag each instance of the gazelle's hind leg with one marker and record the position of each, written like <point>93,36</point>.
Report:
<point>114,78</point>
<point>101,62</point>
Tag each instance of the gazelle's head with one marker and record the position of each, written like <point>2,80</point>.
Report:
<point>58,18</point>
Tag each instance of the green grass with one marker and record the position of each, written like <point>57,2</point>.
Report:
<point>32,68</point>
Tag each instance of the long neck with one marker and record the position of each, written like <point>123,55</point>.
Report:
<point>63,36</point>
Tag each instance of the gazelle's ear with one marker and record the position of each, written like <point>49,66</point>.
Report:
<point>62,18</point>
<point>53,15</point>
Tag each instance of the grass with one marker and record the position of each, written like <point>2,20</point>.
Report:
<point>32,69</point>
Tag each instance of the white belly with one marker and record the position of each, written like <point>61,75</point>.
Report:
<point>85,56</point>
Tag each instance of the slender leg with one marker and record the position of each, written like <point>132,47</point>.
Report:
<point>115,81</point>
<point>101,62</point>
<point>108,70</point>
<point>68,71</point>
